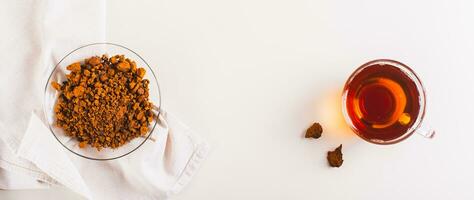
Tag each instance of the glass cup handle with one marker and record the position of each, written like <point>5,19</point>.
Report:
<point>426,131</point>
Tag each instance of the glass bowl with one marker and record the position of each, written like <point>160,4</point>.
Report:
<point>58,75</point>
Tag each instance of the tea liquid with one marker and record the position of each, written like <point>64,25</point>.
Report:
<point>382,102</point>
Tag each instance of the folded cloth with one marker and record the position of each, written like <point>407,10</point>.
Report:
<point>13,180</point>
<point>39,34</point>
<point>157,170</point>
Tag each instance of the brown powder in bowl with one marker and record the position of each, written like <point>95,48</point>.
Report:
<point>104,102</point>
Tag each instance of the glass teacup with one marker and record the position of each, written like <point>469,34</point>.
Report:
<point>384,102</point>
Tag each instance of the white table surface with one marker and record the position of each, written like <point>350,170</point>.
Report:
<point>252,75</point>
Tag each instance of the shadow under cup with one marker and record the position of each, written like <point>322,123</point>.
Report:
<point>384,101</point>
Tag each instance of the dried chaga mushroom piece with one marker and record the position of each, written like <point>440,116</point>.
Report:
<point>335,157</point>
<point>104,102</point>
<point>314,131</point>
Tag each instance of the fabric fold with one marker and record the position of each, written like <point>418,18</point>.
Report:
<point>41,33</point>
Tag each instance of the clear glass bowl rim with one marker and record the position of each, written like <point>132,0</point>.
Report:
<point>48,82</point>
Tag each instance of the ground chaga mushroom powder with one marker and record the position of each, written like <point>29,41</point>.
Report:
<point>103,102</point>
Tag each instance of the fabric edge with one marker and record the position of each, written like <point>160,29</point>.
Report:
<point>44,180</point>
<point>192,167</point>
<point>11,162</point>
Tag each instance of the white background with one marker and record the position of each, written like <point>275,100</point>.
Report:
<point>252,75</point>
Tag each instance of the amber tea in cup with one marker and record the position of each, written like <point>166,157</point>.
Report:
<point>384,102</point>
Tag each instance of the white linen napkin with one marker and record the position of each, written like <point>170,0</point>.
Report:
<point>156,170</point>
<point>39,34</point>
